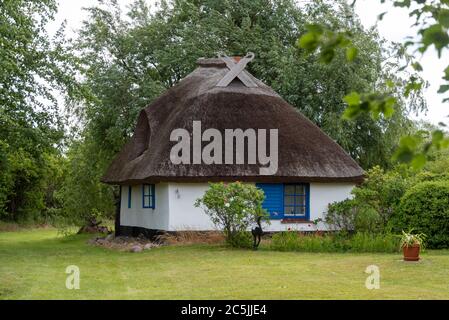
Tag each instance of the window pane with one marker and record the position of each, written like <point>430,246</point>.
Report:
<point>146,201</point>
<point>300,200</point>
<point>300,211</point>
<point>300,189</point>
<point>295,200</point>
<point>289,189</point>
<point>289,200</point>
<point>289,210</point>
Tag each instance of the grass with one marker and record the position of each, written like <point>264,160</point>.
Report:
<point>360,242</point>
<point>33,263</point>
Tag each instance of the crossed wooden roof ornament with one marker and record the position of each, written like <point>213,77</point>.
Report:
<point>236,70</point>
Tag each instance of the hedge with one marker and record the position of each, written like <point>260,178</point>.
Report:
<point>425,208</point>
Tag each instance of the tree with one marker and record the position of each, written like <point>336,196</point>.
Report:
<point>432,19</point>
<point>32,67</point>
<point>318,89</point>
<point>83,198</point>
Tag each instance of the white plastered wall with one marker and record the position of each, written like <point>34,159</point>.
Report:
<point>183,214</point>
<point>175,208</point>
<point>149,218</point>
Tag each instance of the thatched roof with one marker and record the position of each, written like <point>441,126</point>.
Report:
<point>306,153</point>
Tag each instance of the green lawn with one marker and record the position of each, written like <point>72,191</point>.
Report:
<point>33,262</point>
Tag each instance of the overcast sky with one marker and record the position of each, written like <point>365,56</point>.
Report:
<point>395,26</point>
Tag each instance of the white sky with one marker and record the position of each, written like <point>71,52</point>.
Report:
<point>395,26</point>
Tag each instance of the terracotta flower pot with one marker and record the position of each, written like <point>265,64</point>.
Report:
<point>411,253</point>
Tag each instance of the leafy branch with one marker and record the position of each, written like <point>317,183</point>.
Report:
<point>432,18</point>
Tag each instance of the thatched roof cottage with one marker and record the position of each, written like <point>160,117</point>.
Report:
<point>158,189</point>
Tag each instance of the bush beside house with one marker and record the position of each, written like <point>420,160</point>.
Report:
<point>425,208</point>
<point>390,202</point>
<point>233,207</point>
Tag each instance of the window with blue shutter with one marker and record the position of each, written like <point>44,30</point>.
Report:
<point>286,201</point>
<point>274,199</point>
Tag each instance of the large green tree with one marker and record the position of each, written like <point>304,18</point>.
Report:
<point>32,67</point>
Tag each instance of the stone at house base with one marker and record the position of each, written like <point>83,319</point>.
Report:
<point>136,249</point>
<point>149,246</point>
<point>110,237</point>
<point>121,243</point>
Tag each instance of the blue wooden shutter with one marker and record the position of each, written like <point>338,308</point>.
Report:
<point>274,199</point>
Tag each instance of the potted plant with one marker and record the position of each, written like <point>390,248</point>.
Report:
<point>411,245</point>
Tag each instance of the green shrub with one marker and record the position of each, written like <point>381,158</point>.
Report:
<point>233,207</point>
<point>294,241</point>
<point>241,239</point>
<point>369,242</point>
<point>341,215</point>
<point>374,201</point>
<point>381,191</point>
<point>368,220</point>
<point>425,209</point>
<point>338,242</point>
<point>349,215</point>
<point>284,241</point>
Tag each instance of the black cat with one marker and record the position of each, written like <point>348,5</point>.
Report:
<point>257,233</point>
